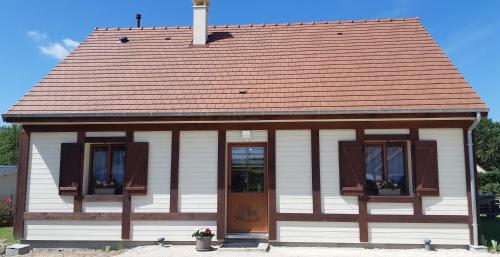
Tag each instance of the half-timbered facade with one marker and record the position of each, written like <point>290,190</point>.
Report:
<point>332,132</point>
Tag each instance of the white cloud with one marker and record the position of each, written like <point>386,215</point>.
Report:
<point>58,50</point>
<point>70,43</point>
<point>37,36</point>
<point>55,50</point>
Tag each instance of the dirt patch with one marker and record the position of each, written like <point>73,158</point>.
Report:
<point>71,253</point>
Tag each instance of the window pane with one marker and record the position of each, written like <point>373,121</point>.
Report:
<point>374,164</point>
<point>100,167</point>
<point>118,168</point>
<point>396,164</point>
<point>247,169</point>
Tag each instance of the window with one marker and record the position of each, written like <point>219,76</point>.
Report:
<point>107,169</point>
<point>386,169</point>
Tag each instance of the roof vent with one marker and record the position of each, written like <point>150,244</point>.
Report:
<point>340,33</point>
<point>123,39</point>
<point>244,91</point>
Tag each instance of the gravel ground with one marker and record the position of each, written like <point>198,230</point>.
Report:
<point>188,251</point>
<point>71,253</point>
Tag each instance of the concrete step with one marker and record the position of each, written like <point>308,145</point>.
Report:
<point>245,246</point>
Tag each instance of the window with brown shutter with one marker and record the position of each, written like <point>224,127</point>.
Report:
<point>136,171</point>
<point>426,168</point>
<point>351,166</point>
<point>70,169</point>
<point>107,169</point>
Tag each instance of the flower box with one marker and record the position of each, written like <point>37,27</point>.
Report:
<point>104,191</point>
<point>389,191</point>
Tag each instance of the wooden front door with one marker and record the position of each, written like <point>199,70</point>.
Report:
<point>247,188</point>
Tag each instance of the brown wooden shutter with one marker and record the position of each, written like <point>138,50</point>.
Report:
<point>136,168</point>
<point>426,168</point>
<point>70,169</point>
<point>352,168</point>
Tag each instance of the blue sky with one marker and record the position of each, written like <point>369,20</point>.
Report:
<point>36,34</point>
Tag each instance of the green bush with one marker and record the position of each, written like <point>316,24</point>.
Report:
<point>489,182</point>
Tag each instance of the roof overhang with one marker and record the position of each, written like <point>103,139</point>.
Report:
<point>238,116</point>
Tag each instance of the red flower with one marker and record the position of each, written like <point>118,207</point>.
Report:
<point>208,231</point>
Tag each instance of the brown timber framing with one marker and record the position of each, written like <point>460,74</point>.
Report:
<point>78,199</point>
<point>362,200</point>
<point>22,180</point>
<point>417,199</point>
<point>271,178</point>
<point>221,185</point>
<point>174,172</point>
<point>315,165</point>
<point>418,216</point>
<point>127,199</point>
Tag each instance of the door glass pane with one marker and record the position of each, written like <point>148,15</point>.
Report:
<point>100,167</point>
<point>374,164</point>
<point>247,169</point>
<point>395,164</point>
<point>118,168</point>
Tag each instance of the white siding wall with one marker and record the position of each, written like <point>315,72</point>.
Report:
<point>321,232</point>
<point>452,198</point>
<point>257,136</point>
<point>390,208</point>
<point>171,230</point>
<point>104,207</point>
<point>72,230</point>
<point>413,233</point>
<point>158,197</point>
<point>43,173</point>
<point>387,131</point>
<point>293,171</point>
<point>106,134</point>
<point>198,171</point>
<point>331,200</point>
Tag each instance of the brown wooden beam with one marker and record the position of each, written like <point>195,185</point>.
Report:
<point>221,185</point>
<point>316,173</point>
<point>77,202</point>
<point>418,219</point>
<point>386,137</point>
<point>127,198</point>
<point>71,216</point>
<point>21,184</point>
<point>174,172</point>
<point>271,164</point>
<point>317,217</point>
<point>174,216</point>
<point>363,218</point>
<point>417,200</point>
<point>252,126</point>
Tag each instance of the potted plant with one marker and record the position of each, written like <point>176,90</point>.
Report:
<point>103,187</point>
<point>387,188</point>
<point>203,239</point>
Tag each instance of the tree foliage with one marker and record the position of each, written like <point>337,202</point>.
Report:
<point>9,145</point>
<point>487,140</point>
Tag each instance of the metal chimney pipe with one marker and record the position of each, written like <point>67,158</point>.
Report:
<point>138,18</point>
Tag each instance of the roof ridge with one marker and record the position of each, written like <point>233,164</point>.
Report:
<point>260,24</point>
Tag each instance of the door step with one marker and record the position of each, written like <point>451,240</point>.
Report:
<point>245,246</point>
<point>247,236</point>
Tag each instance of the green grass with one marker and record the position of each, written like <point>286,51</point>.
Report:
<point>6,234</point>
<point>489,229</point>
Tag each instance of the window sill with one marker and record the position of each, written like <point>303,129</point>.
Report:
<point>390,199</point>
<point>102,198</point>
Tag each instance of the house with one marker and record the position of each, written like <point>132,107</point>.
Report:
<point>341,133</point>
<point>7,180</point>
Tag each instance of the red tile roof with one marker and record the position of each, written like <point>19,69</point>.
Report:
<point>325,67</point>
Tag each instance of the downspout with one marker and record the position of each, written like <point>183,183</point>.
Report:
<point>470,148</point>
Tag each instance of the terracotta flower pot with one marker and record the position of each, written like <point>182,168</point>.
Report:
<point>203,243</point>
